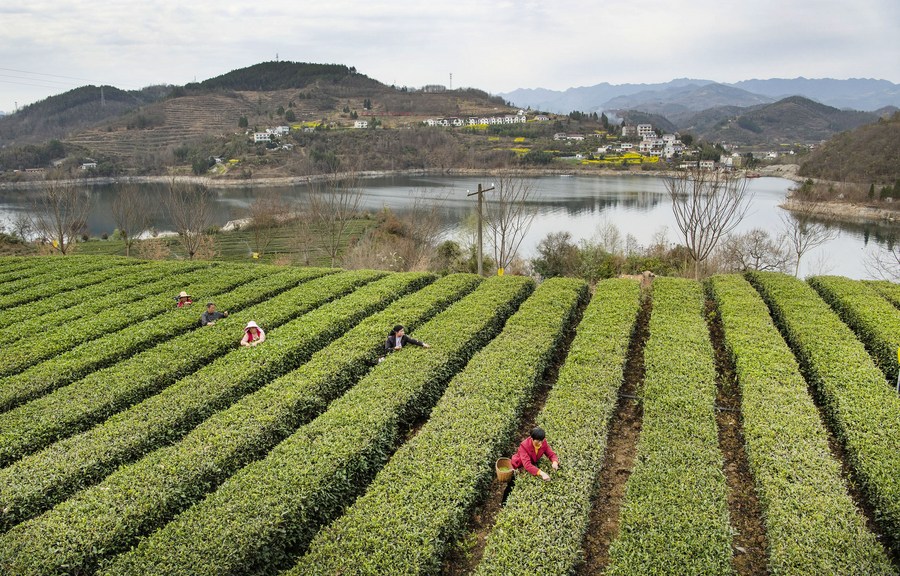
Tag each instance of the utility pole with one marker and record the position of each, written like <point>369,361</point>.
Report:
<point>480,193</point>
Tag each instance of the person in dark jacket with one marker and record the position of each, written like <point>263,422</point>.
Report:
<point>531,450</point>
<point>209,317</point>
<point>397,339</point>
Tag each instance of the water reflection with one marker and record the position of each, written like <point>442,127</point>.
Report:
<point>637,205</point>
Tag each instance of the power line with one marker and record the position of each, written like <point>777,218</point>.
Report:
<point>44,74</point>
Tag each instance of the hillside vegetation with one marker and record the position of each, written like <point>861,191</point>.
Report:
<point>868,154</point>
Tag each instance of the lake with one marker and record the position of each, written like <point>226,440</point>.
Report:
<point>636,205</point>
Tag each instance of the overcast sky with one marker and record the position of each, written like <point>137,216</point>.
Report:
<point>48,46</point>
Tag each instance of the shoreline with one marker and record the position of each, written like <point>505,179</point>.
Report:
<point>780,171</point>
<point>842,211</point>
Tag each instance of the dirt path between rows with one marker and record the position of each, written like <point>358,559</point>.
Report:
<point>750,544</point>
<point>621,447</point>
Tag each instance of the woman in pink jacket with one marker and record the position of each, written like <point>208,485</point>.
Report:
<point>531,450</point>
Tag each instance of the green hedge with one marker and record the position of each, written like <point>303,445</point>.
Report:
<point>812,524</point>
<point>421,501</point>
<point>99,395</point>
<point>675,513</point>
<point>577,418</point>
<point>863,410</point>
<point>65,276</point>
<point>138,498</point>
<point>97,274</point>
<point>874,320</point>
<point>42,479</point>
<point>32,348</point>
<point>12,263</point>
<point>122,286</point>
<point>46,270</point>
<point>888,290</point>
<point>259,515</point>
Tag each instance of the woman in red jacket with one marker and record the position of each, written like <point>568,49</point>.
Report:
<point>531,450</point>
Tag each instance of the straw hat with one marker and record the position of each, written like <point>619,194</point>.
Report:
<point>183,294</point>
<point>251,324</point>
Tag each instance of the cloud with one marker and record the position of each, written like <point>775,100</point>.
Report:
<point>496,46</point>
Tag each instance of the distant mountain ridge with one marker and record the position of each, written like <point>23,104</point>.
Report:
<point>855,93</point>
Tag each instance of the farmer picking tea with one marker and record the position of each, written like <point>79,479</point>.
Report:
<point>253,334</point>
<point>397,339</point>
<point>183,299</point>
<point>531,450</point>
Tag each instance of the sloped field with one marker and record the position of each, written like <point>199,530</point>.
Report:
<point>133,441</point>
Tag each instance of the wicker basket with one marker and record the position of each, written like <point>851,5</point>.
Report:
<point>504,469</point>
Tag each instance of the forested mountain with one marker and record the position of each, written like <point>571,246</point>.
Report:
<point>791,120</point>
<point>271,76</point>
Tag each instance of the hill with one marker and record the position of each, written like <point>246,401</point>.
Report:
<point>789,121</point>
<point>868,154</point>
<point>57,116</point>
<point>857,94</point>
<point>192,123</point>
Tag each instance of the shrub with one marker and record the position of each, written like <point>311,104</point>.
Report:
<point>812,524</point>
<point>675,514</point>
<point>861,408</point>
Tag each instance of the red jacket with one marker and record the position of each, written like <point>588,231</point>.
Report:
<point>527,457</point>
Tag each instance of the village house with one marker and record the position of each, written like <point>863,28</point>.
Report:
<point>644,130</point>
<point>361,124</point>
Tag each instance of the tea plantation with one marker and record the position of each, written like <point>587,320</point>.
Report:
<point>134,441</point>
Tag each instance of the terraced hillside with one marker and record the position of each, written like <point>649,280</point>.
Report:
<point>736,426</point>
<point>181,120</point>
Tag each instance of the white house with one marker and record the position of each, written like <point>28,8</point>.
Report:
<point>262,136</point>
<point>361,124</point>
<point>541,118</point>
<point>280,130</point>
<point>645,130</point>
<point>707,165</point>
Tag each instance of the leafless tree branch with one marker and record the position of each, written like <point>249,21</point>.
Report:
<point>508,215</point>
<point>707,206</point>
<point>59,213</point>
<point>190,209</point>
<point>132,212</point>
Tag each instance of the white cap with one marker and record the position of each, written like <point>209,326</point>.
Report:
<point>251,324</point>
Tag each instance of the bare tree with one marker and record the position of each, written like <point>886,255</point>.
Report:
<point>508,215</point>
<point>59,213</point>
<point>755,250</point>
<point>707,205</point>
<point>884,262</point>
<point>401,240</point>
<point>803,233</point>
<point>267,212</point>
<point>190,209</point>
<point>22,226</point>
<point>331,207</point>
<point>132,212</point>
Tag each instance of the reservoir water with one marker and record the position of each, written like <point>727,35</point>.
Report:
<point>636,205</point>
